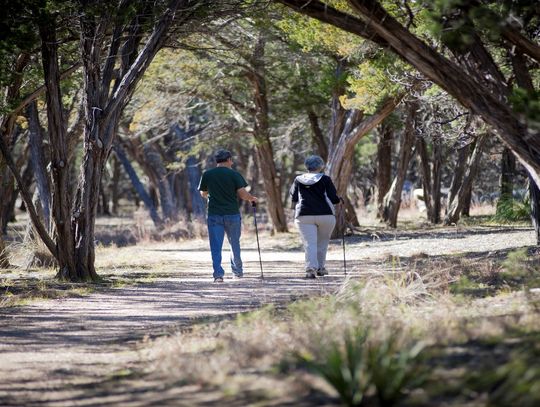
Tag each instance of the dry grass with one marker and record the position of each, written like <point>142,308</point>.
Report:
<point>416,303</point>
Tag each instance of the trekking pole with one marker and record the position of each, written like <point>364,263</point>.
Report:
<point>343,224</point>
<point>254,206</point>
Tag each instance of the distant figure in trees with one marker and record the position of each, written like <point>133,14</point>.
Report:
<point>314,196</point>
<point>223,186</point>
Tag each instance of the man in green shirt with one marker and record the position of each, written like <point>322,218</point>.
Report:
<point>223,187</point>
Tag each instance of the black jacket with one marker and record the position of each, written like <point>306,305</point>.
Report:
<point>314,194</point>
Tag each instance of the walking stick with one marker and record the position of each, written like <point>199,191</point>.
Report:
<point>342,222</point>
<point>254,206</point>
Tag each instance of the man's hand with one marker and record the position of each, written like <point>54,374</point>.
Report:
<point>246,196</point>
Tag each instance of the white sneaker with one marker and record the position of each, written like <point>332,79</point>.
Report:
<point>311,273</point>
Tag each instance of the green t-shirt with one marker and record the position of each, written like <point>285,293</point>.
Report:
<point>221,183</point>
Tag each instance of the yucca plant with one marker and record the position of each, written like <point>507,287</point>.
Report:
<point>394,369</point>
<point>343,366</point>
<point>517,383</point>
<point>358,367</point>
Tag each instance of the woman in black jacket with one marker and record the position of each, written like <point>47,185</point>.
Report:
<point>314,196</point>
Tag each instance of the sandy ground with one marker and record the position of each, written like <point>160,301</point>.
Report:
<point>75,351</point>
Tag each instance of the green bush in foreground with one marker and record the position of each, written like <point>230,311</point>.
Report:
<point>359,367</point>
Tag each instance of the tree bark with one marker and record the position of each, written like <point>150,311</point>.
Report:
<point>459,170</point>
<point>436,179</point>
<point>263,145</point>
<point>392,199</point>
<point>317,135</point>
<point>192,171</point>
<point>506,181</point>
<point>115,185</point>
<point>340,162</point>
<point>38,161</point>
<point>155,161</point>
<point>61,201</point>
<point>455,207</point>
<point>137,184</point>
<point>524,80</point>
<point>384,165</point>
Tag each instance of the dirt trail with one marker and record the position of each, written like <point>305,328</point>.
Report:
<point>73,351</point>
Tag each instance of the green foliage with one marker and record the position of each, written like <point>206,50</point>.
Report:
<point>365,150</point>
<point>310,34</point>
<point>360,366</point>
<point>520,269</point>
<point>516,382</point>
<point>528,104</point>
<point>370,82</point>
<point>395,368</point>
<point>343,366</point>
<point>511,210</point>
<point>465,286</point>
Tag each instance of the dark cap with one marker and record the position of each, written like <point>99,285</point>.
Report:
<point>222,155</point>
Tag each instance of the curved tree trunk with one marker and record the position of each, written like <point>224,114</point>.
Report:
<point>340,161</point>
<point>524,81</point>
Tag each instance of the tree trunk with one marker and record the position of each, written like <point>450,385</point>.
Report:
<point>524,81</point>
<point>265,154</point>
<point>137,184</point>
<point>38,161</point>
<point>506,181</point>
<point>155,161</point>
<point>427,188</point>
<point>436,178</point>
<point>466,210</point>
<point>384,165</point>
<point>455,207</point>
<point>392,200</point>
<point>61,202</point>
<point>115,185</point>
<point>340,162</point>
<point>317,135</point>
<point>459,170</point>
<point>193,173</point>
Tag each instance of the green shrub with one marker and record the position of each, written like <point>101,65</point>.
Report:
<point>394,369</point>
<point>343,367</point>
<point>511,210</point>
<point>359,367</point>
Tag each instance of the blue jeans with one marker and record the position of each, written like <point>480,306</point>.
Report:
<point>218,226</point>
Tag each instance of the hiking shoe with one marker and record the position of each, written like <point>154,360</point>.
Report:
<point>310,273</point>
<point>218,280</point>
<point>322,272</point>
<point>236,276</point>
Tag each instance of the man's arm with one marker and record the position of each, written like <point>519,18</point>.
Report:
<point>245,195</point>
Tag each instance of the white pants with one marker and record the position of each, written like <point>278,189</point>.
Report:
<point>315,231</point>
